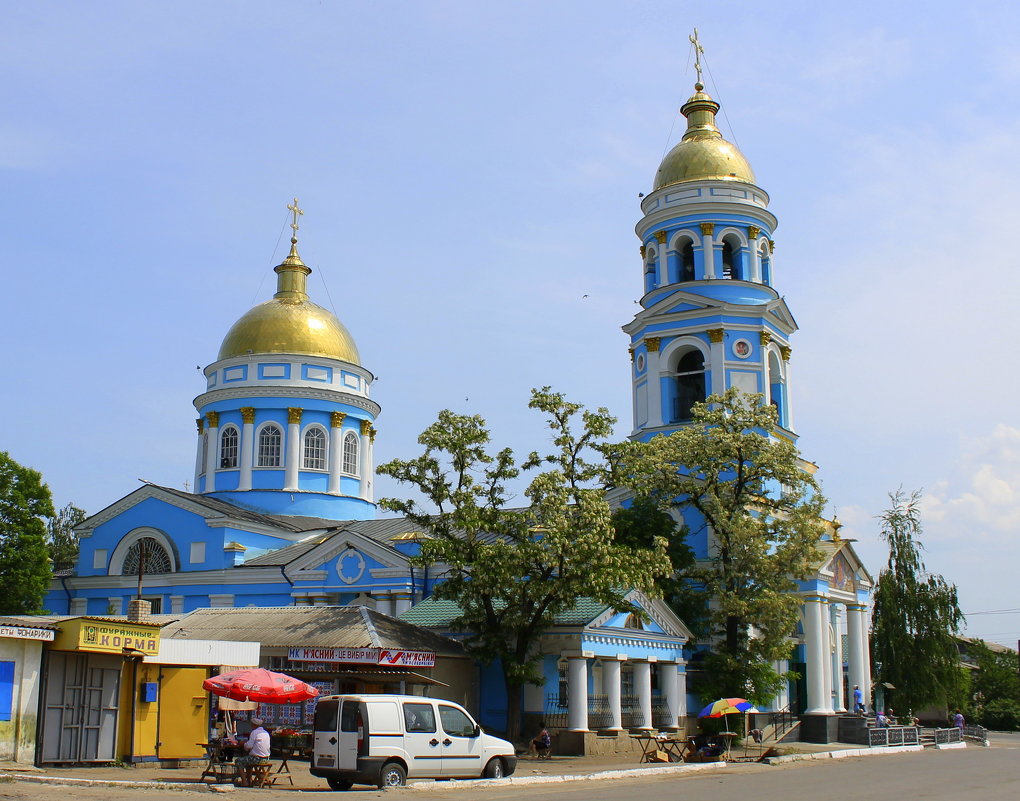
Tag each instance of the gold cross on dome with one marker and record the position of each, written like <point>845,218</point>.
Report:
<point>295,211</point>
<point>698,52</point>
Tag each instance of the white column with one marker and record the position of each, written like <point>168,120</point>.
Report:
<point>717,357</point>
<point>708,249</point>
<point>814,645</point>
<point>855,647</point>
<point>577,693</point>
<point>247,447</point>
<point>661,261</point>
<point>384,603</point>
<point>213,419</point>
<point>654,381</point>
<point>668,683</point>
<point>336,451</point>
<point>866,650</point>
<point>290,472</point>
<point>838,696</point>
<point>611,687</point>
<point>783,696</point>
<point>401,603</point>
<point>772,262</point>
<point>826,657</point>
<point>755,259</point>
<point>643,690</point>
<point>681,693</point>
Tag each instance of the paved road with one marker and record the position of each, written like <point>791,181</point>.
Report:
<point>974,773</point>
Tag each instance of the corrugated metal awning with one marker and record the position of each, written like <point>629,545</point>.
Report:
<point>385,675</point>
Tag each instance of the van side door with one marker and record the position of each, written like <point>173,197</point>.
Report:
<point>422,738</point>
<point>462,744</point>
<point>352,732</point>
<point>325,740</point>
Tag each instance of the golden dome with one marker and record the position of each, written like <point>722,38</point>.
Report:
<point>290,322</point>
<point>702,153</point>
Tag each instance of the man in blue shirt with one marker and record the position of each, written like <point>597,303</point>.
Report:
<point>858,700</point>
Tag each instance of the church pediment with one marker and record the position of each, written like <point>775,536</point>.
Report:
<point>661,619</point>
<point>347,553</point>
<point>843,570</point>
<point>780,314</point>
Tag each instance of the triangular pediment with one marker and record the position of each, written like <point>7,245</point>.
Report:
<point>311,562</point>
<point>842,568</point>
<point>663,620</point>
<point>780,313</point>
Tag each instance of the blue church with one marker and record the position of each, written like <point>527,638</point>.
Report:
<point>282,511</point>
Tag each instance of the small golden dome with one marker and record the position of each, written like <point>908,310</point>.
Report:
<point>702,153</point>
<point>290,322</point>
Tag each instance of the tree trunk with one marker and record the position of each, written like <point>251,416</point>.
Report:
<point>513,709</point>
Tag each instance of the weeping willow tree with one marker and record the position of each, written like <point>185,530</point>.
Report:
<point>917,615</point>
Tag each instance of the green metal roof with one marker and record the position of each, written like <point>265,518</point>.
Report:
<point>435,613</point>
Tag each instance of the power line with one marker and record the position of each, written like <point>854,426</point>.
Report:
<point>994,612</point>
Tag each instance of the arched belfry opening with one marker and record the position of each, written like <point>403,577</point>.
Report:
<point>690,384</point>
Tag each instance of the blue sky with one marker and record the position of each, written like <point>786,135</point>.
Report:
<point>469,172</point>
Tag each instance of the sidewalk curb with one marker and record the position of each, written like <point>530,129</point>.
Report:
<point>845,753</point>
<point>74,782</point>
<point>428,786</point>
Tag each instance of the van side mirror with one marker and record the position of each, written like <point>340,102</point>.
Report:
<point>477,732</point>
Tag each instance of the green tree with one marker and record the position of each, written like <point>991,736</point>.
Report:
<point>916,616</point>
<point>24,566</point>
<point>62,541</point>
<point>511,571</point>
<point>763,510</point>
<point>996,677</point>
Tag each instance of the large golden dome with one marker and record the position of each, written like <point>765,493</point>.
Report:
<point>290,322</point>
<point>702,154</point>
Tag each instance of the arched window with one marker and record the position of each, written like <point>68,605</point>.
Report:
<point>150,555</point>
<point>351,453</point>
<point>686,253</point>
<point>776,382</point>
<point>690,384</point>
<point>315,449</point>
<point>228,447</point>
<point>270,446</point>
<point>731,260</point>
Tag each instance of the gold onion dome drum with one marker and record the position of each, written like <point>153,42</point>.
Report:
<point>702,154</point>
<point>290,322</point>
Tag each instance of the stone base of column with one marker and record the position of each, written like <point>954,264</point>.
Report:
<point>819,728</point>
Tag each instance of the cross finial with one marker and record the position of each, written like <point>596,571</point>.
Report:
<point>295,212</point>
<point>698,51</point>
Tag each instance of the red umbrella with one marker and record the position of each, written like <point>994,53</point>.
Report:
<point>258,684</point>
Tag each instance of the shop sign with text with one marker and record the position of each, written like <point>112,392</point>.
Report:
<point>364,656</point>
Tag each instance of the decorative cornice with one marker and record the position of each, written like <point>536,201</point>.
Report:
<point>248,414</point>
<point>213,418</point>
<point>336,419</point>
<point>707,229</point>
<point>294,414</point>
<point>660,237</point>
<point>652,344</point>
<point>753,231</point>
<point>785,351</point>
<point>305,393</point>
<point>716,335</point>
<point>366,427</point>
<point>765,337</point>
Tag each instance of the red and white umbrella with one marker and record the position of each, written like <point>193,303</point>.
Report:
<point>258,684</point>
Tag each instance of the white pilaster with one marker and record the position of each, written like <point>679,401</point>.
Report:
<point>668,682</point>
<point>247,450</point>
<point>708,250</point>
<point>336,453</point>
<point>212,451</point>
<point>401,603</point>
<point>814,645</point>
<point>365,459</point>
<point>826,664</point>
<point>290,472</point>
<point>577,693</point>
<point>788,399</point>
<point>717,356</point>
<point>643,690</point>
<point>611,687</point>
<point>661,265</point>
<point>384,603</point>
<point>681,693</point>
<point>199,466</point>
<point>755,259</point>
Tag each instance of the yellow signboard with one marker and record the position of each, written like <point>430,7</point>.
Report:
<point>89,634</point>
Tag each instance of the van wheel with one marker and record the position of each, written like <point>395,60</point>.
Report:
<point>494,770</point>
<point>392,775</point>
<point>339,784</point>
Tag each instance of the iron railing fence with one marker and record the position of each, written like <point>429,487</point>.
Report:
<point>950,735</point>
<point>979,733</point>
<point>894,735</point>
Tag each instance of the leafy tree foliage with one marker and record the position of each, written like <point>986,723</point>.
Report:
<point>63,542</point>
<point>916,615</point>
<point>996,678</point>
<point>763,510</point>
<point>511,571</point>
<point>24,569</point>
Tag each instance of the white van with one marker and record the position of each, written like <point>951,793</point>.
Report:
<point>386,739</point>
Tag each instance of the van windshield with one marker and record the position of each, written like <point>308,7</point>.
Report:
<point>325,715</point>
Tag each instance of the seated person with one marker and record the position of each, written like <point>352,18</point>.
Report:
<point>257,746</point>
<point>541,744</point>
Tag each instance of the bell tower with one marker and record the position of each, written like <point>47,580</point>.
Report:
<point>710,316</point>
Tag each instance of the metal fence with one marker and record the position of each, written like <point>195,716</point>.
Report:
<point>894,735</point>
<point>979,733</point>
<point>950,735</point>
